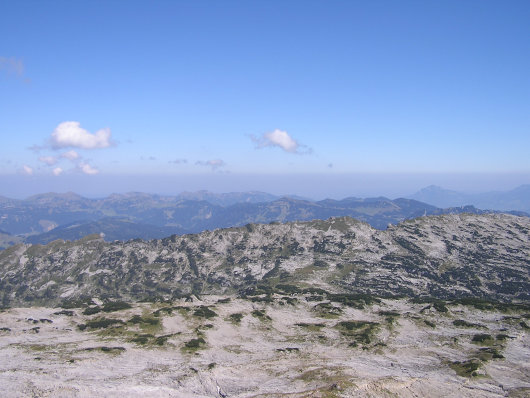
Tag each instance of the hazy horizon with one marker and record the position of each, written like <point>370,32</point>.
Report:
<point>315,187</point>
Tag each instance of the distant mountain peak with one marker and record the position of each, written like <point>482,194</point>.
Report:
<point>517,199</point>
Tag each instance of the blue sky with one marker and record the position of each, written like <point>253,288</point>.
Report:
<point>318,98</point>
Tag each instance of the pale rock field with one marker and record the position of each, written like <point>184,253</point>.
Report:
<point>286,346</point>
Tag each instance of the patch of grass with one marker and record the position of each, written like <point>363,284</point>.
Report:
<point>64,312</point>
<point>334,383</point>
<point>488,353</point>
<point>167,310</point>
<point>161,340</point>
<point>112,306</point>
<point>110,350</point>
<point>466,368</point>
<point>492,305</point>
<point>327,310</point>
<point>287,289</point>
<point>204,312</point>
<point>361,331</point>
<point>482,338</point>
<point>100,323</point>
<point>92,310</point>
<point>195,344</point>
<point>142,338</point>
<point>313,327</point>
<point>389,313</point>
<point>224,301</point>
<point>261,315</point>
<point>314,297</point>
<point>438,305</point>
<point>289,300</point>
<point>502,337</point>
<point>358,301</point>
<point>235,318</point>
<point>288,349</point>
<point>258,299</point>
<point>137,319</point>
<point>76,303</point>
<point>429,323</point>
<point>465,324</point>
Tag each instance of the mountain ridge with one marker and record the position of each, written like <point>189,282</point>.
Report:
<point>447,256</point>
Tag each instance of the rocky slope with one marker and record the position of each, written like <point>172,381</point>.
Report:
<point>450,256</point>
<point>289,346</point>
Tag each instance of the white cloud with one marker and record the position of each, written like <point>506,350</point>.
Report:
<point>87,169</point>
<point>27,170</point>
<point>12,65</point>
<point>70,134</point>
<point>57,171</point>
<point>70,155</point>
<point>214,163</point>
<point>49,160</point>
<point>281,139</point>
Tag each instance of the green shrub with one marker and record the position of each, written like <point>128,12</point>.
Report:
<point>465,324</point>
<point>112,349</point>
<point>64,312</point>
<point>204,312</point>
<point>139,319</point>
<point>142,338</point>
<point>236,317</point>
<point>91,310</point>
<point>223,301</point>
<point>112,306</point>
<point>260,314</point>
<point>482,338</point>
<point>195,343</point>
<point>466,368</point>
<point>101,323</point>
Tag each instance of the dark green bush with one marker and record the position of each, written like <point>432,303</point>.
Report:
<point>91,310</point>
<point>101,323</point>
<point>204,312</point>
<point>236,318</point>
<point>195,343</point>
<point>112,306</point>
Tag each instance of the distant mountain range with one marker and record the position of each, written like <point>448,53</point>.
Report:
<point>68,216</point>
<point>515,199</point>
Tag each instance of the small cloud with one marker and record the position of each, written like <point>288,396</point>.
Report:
<point>179,161</point>
<point>70,134</point>
<point>12,65</point>
<point>27,170</point>
<point>49,160</point>
<point>214,163</point>
<point>281,139</point>
<point>36,148</point>
<point>87,169</point>
<point>70,155</point>
<point>57,171</point>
